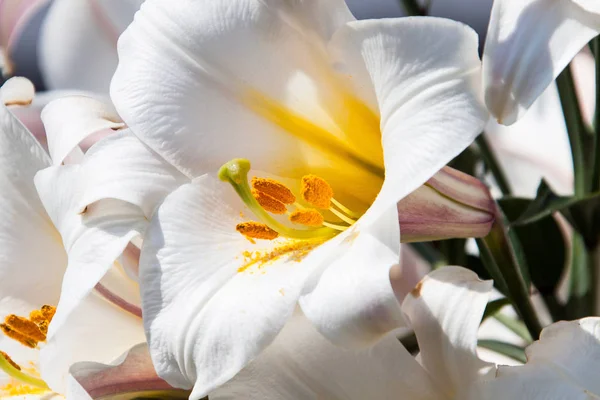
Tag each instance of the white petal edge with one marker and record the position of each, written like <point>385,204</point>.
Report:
<point>71,119</point>
<point>93,240</point>
<point>301,364</point>
<point>428,95</point>
<point>528,44</point>
<point>445,310</point>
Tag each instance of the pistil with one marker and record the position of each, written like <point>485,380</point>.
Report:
<point>13,370</point>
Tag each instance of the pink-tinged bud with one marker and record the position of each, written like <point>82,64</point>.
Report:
<point>133,377</point>
<point>451,204</point>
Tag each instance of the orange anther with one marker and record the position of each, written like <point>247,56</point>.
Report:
<point>276,190</point>
<point>256,230</point>
<point>316,191</point>
<point>307,216</point>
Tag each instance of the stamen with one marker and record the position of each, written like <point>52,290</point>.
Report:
<point>25,327</point>
<point>235,172</point>
<point>19,337</point>
<point>10,361</point>
<point>345,209</point>
<point>307,216</point>
<point>48,312</point>
<point>342,216</point>
<point>13,370</point>
<point>334,226</point>
<point>316,191</point>
<point>256,230</point>
<point>269,203</point>
<point>275,189</point>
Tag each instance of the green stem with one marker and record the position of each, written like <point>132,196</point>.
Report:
<point>580,297</point>
<point>575,127</point>
<point>512,265</point>
<point>492,163</point>
<point>11,371</point>
<point>507,349</point>
<point>412,8</point>
<point>595,180</point>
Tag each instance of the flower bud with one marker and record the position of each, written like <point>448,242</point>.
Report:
<point>451,204</point>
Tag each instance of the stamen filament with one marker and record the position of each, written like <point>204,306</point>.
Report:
<point>342,216</point>
<point>336,227</point>
<point>13,372</point>
<point>344,208</point>
<point>236,173</point>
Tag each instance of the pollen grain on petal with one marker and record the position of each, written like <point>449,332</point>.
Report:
<point>307,216</point>
<point>25,327</point>
<point>316,191</point>
<point>276,190</point>
<point>10,361</point>
<point>19,337</point>
<point>256,230</point>
<point>269,203</point>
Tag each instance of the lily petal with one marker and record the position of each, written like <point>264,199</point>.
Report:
<point>353,302</point>
<point>194,269</point>
<point>528,44</point>
<point>70,120</point>
<point>561,364</point>
<point>121,167</point>
<point>428,95</point>
<point>445,310</point>
<point>93,240</point>
<point>301,364</point>
<point>521,153</point>
<point>96,331</point>
<point>32,276</point>
<point>77,47</point>
<point>273,78</point>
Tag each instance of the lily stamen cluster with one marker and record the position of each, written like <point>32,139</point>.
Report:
<point>271,196</point>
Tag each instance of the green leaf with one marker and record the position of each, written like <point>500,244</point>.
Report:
<point>493,307</point>
<point>583,213</point>
<point>543,244</point>
<point>507,349</point>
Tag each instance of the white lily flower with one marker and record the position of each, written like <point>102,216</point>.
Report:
<point>33,262</point>
<point>562,364</point>
<point>78,42</point>
<point>529,42</point>
<point>300,90</point>
<point>444,309</point>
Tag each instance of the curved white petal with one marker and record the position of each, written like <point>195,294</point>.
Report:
<point>528,44</point>
<point>209,307</point>
<point>93,240</point>
<point>301,364</point>
<point>428,95</point>
<point>535,147</point>
<point>273,84</point>
<point>78,40</point>
<point>70,120</point>
<point>445,310</point>
<point>121,167</point>
<point>353,302</point>
<point>17,91</point>
<point>32,259</point>
<point>97,331</point>
<point>589,5</point>
<point>561,364</point>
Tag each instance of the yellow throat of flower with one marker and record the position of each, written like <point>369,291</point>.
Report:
<point>268,196</point>
<point>29,332</point>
